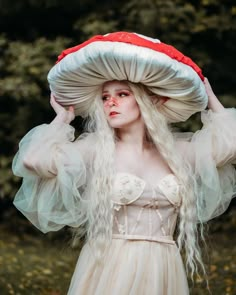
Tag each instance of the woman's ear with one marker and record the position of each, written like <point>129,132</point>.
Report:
<point>159,100</point>
<point>164,99</point>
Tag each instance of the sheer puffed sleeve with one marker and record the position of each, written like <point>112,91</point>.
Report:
<point>212,151</point>
<point>50,192</point>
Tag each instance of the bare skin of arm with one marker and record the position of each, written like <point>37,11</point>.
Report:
<point>213,103</point>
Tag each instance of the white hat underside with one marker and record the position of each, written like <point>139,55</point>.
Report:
<point>77,78</point>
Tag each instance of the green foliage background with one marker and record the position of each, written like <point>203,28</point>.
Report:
<point>34,32</point>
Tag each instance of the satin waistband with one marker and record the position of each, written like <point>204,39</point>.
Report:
<point>165,239</point>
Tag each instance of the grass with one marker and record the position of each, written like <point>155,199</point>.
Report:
<point>32,264</point>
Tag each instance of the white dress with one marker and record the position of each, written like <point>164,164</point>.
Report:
<point>143,257</point>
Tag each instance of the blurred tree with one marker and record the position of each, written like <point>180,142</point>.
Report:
<point>24,94</point>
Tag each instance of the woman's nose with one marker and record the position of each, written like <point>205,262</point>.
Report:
<point>112,102</point>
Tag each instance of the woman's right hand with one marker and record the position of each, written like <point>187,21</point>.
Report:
<point>63,115</point>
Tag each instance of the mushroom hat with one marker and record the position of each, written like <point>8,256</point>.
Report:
<point>80,72</point>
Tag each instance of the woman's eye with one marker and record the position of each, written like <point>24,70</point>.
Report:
<point>104,97</point>
<point>123,94</point>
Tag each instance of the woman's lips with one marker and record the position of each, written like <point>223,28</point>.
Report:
<point>112,114</point>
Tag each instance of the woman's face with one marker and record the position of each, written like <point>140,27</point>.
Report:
<point>120,106</point>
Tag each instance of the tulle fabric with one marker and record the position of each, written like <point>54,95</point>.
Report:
<point>49,197</point>
<point>52,196</point>
<point>212,151</point>
<point>130,268</point>
<point>51,202</point>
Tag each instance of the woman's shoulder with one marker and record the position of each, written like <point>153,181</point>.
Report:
<point>185,149</point>
<point>86,143</point>
<point>182,145</point>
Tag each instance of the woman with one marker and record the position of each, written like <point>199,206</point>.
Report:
<point>128,179</point>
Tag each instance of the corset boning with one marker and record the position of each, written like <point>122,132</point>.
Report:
<point>142,212</point>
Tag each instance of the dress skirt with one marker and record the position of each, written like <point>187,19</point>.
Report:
<point>131,267</point>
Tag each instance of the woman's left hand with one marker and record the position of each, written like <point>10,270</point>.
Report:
<point>213,103</point>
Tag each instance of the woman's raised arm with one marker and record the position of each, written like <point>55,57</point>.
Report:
<point>54,172</point>
<point>40,153</point>
<point>211,152</point>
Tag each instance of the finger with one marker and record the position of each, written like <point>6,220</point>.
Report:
<point>207,85</point>
<point>55,105</point>
<point>71,109</point>
<point>205,80</point>
<point>72,112</point>
<point>53,99</point>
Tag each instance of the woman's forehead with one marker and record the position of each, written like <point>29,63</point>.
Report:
<point>117,84</point>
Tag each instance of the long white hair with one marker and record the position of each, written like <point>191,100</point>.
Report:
<point>160,133</point>
<point>99,210</point>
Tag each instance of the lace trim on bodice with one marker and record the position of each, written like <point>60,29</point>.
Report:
<point>128,188</point>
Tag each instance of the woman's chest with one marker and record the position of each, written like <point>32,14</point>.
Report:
<point>128,188</point>
<point>151,167</point>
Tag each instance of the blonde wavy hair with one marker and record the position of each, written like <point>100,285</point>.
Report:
<point>99,210</point>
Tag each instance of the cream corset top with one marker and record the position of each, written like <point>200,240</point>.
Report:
<point>144,212</point>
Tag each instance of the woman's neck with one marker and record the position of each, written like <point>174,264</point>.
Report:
<point>133,137</point>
